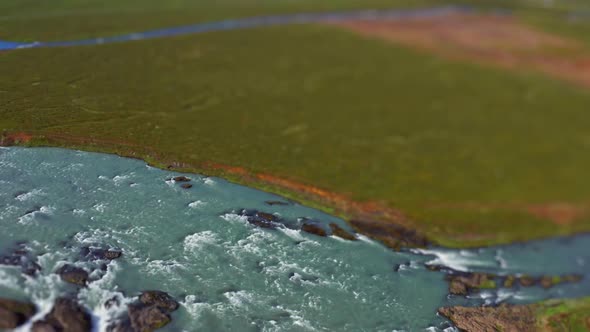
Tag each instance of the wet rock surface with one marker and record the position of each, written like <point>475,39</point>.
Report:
<point>73,275</point>
<point>65,316</point>
<point>186,186</point>
<point>464,283</point>
<point>93,253</point>
<point>181,179</point>
<point>149,313</point>
<point>341,233</point>
<point>314,228</point>
<point>506,318</point>
<point>261,219</point>
<point>391,235</point>
<point>15,313</point>
<point>20,256</point>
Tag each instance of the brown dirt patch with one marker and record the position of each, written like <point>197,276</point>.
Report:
<point>508,318</point>
<point>487,39</point>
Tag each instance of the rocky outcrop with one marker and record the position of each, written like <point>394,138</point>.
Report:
<point>261,219</point>
<point>181,179</point>
<point>341,233</point>
<point>392,235</point>
<point>464,283</point>
<point>15,313</point>
<point>314,228</point>
<point>506,318</point>
<point>159,299</point>
<point>65,316</point>
<point>73,275</point>
<point>149,313</point>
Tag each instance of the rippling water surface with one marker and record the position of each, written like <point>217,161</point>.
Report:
<point>226,273</point>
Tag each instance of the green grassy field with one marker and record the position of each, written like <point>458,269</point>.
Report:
<point>455,146</point>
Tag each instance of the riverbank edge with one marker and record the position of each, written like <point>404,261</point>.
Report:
<point>376,220</point>
<point>366,218</point>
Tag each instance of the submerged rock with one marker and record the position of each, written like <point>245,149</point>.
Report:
<point>186,185</point>
<point>271,203</point>
<point>15,313</point>
<point>261,219</point>
<point>73,275</point>
<point>313,228</point>
<point>65,316</point>
<point>21,256</point>
<point>181,179</point>
<point>506,318</point>
<point>91,253</point>
<point>341,233</point>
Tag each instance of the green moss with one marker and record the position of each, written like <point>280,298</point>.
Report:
<point>564,315</point>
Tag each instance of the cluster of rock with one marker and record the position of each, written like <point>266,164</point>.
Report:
<point>394,236</point>
<point>183,180</point>
<point>271,221</point>
<point>464,283</point>
<point>150,312</point>
<point>21,257</point>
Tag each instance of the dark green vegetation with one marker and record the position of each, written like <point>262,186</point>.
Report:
<point>572,315</point>
<point>324,107</point>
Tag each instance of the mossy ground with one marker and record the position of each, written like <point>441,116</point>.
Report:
<point>562,316</point>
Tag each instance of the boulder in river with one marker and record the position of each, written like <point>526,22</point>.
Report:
<point>149,313</point>
<point>463,283</point>
<point>159,299</point>
<point>15,313</point>
<point>181,179</point>
<point>186,186</point>
<point>65,316</point>
<point>73,275</point>
<point>313,228</point>
<point>341,233</point>
<point>261,219</point>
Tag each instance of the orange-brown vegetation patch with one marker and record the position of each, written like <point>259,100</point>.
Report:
<point>497,40</point>
<point>560,213</point>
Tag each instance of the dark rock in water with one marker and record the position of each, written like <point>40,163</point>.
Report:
<point>509,281</point>
<point>276,203</point>
<point>90,253</point>
<point>341,233</point>
<point>20,256</point>
<point>315,229</point>
<point>186,185</point>
<point>463,283</point>
<point>65,316</point>
<point>398,267</point>
<point>73,275</point>
<point>394,236</point>
<point>526,281</point>
<point>147,318</point>
<point>15,313</point>
<point>181,179</point>
<point>160,299</point>
<point>261,219</point>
